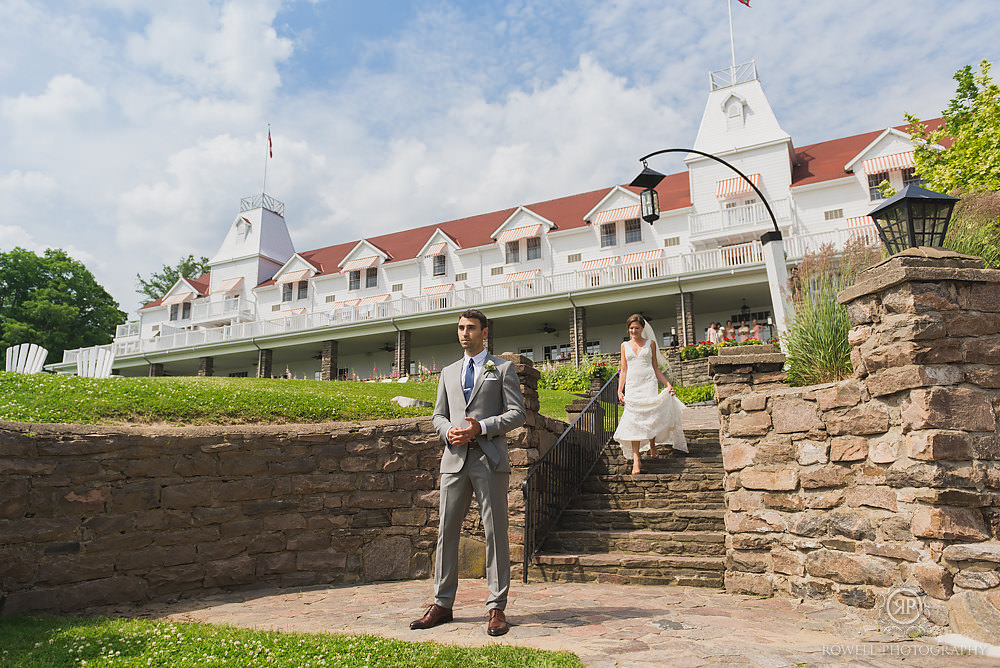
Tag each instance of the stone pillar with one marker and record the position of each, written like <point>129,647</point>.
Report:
<point>741,369</point>
<point>685,319</point>
<point>156,369</point>
<point>489,336</point>
<point>577,333</point>
<point>264,363</point>
<point>401,356</point>
<point>328,361</point>
<point>206,366</point>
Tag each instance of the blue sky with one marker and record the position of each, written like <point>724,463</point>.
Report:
<point>132,128</point>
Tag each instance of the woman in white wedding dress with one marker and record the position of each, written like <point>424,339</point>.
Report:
<point>649,415</point>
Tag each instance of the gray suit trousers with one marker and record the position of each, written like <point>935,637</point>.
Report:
<point>490,488</point>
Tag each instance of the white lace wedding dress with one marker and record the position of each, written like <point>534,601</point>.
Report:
<point>648,414</point>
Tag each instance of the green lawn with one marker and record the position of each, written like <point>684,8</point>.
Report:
<point>50,642</point>
<point>187,400</point>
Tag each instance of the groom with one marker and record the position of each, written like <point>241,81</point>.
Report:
<point>478,402</point>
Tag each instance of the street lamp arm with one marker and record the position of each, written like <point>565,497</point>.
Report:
<point>763,199</point>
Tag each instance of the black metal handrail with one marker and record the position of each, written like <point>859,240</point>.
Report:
<point>557,476</point>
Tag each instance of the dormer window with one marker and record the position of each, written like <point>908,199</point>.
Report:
<point>512,252</point>
<point>533,247</point>
<point>371,277</point>
<point>294,291</point>
<point>633,231</point>
<point>873,183</point>
<point>734,114</point>
<point>609,235</point>
<point>354,280</point>
<point>180,311</point>
<point>439,265</point>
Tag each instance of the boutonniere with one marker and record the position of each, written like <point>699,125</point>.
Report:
<point>490,367</point>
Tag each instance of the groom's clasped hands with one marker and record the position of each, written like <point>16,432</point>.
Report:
<point>458,436</point>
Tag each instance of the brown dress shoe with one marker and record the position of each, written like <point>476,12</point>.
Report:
<point>497,626</point>
<point>435,615</point>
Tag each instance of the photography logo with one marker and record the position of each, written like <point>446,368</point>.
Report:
<point>904,606</point>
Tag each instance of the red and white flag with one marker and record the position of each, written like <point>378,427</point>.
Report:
<point>270,148</point>
<point>744,2</point>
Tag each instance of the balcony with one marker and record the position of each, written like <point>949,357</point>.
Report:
<point>744,255</point>
<point>231,308</point>
<point>744,220</point>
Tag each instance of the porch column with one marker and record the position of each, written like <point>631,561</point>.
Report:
<point>685,319</point>
<point>206,366</point>
<point>264,363</point>
<point>401,357</point>
<point>489,336</point>
<point>156,369</point>
<point>577,333</point>
<point>328,361</point>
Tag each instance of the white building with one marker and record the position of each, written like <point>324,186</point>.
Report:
<point>556,278</point>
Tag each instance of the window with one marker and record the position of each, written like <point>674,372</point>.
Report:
<point>574,257</point>
<point>633,231</point>
<point>354,280</point>
<point>173,311</point>
<point>593,348</point>
<point>496,271</point>
<point>671,241</point>
<point>534,248</point>
<point>873,181</point>
<point>560,351</point>
<point>397,287</point>
<point>833,214</point>
<point>286,292</point>
<point>439,265</point>
<point>527,352</point>
<point>331,298</point>
<point>371,277</point>
<point>303,290</point>
<point>464,276</point>
<point>512,250</point>
<point>275,308</point>
<point>608,235</point>
<point>734,115</point>
<point>910,177</point>
<point>180,311</point>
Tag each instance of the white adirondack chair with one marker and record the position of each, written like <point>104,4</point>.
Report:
<point>95,363</point>
<point>26,358</point>
<point>403,379</point>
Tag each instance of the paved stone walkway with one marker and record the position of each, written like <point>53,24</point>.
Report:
<point>606,625</point>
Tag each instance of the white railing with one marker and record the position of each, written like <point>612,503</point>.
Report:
<point>262,201</point>
<point>796,247</point>
<point>733,75</point>
<point>127,330</point>
<point>746,254</point>
<point>206,309</point>
<point>744,216</point>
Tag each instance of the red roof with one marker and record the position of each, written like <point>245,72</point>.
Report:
<point>825,161</point>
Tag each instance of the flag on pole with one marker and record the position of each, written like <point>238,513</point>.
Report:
<point>270,148</point>
<point>744,2</point>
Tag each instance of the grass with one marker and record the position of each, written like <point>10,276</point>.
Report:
<point>51,642</point>
<point>187,400</point>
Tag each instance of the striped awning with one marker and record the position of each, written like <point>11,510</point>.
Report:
<point>230,285</point>
<point>295,311</point>
<point>375,299</point>
<point>360,263</point>
<point>294,276</point>
<point>863,227</point>
<point>599,263</point>
<point>614,215</point>
<point>644,256</point>
<point>737,186</point>
<point>521,276</point>
<point>347,302</point>
<point>860,221</point>
<point>435,249</point>
<point>519,233</point>
<point>887,162</point>
<point>438,289</point>
<point>177,299</point>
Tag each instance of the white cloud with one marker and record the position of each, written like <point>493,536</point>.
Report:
<point>65,97</point>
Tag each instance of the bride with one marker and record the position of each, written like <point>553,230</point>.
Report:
<point>649,415</point>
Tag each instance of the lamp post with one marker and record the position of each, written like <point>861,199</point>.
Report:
<point>772,246</point>
<point>913,217</point>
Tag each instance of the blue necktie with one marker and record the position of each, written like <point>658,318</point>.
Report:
<point>470,376</point>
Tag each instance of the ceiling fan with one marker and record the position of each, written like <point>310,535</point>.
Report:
<point>548,329</point>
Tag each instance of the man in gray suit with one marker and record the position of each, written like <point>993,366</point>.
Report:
<point>478,401</point>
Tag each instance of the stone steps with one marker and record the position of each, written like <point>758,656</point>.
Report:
<point>624,568</point>
<point>664,526</point>
<point>655,519</point>
<point>637,542</point>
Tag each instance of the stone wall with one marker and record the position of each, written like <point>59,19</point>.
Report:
<point>99,515</point>
<point>852,489</point>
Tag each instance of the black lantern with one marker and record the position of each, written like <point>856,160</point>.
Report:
<point>745,312</point>
<point>649,200</point>
<point>913,217</point>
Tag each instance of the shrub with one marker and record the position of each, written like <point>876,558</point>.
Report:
<point>695,351</point>
<point>569,378</point>
<point>695,393</point>
<point>816,342</point>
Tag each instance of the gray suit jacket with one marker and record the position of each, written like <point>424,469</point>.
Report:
<point>495,401</point>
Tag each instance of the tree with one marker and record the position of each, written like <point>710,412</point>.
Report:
<point>159,282</point>
<point>972,123</point>
<point>54,301</point>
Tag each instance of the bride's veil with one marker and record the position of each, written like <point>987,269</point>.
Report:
<point>649,334</point>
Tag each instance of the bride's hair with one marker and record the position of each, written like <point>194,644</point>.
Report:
<point>635,317</point>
